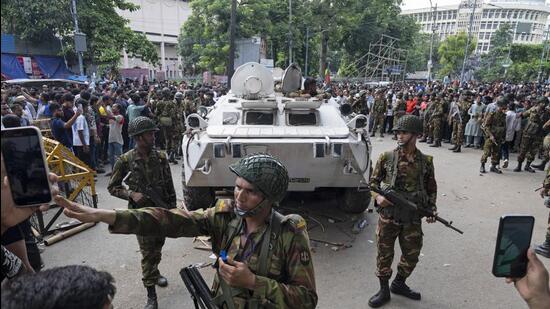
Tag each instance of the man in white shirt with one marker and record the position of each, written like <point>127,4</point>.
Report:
<point>81,135</point>
<point>116,121</point>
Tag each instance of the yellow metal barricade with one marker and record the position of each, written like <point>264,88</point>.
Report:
<point>76,183</point>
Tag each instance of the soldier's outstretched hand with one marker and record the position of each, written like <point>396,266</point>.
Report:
<point>85,213</point>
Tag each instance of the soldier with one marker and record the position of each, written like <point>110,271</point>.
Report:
<point>544,248</point>
<point>436,119</point>
<point>459,117</point>
<point>379,108</point>
<point>269,259</point>
<point>410,172</point>
<point>532,134</point>
<point>178,125</point>
<point>399,111</point>
<point>494,128</point>
<point>147,173</point>
<point>167,119</point>
<point>427,134</point>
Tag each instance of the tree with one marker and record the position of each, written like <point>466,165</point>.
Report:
<point>107,32</point>
<point>419,53</point>
<point>451,53</point>
<point>338,30</point>
<point>491,63</point>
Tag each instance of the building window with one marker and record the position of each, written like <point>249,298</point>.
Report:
<point>490,14</point>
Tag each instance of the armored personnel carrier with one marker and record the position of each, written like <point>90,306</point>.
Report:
<point>323,146</point>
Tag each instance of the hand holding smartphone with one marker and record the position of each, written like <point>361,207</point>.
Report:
<point>513,241</point>
<point>26,168</point>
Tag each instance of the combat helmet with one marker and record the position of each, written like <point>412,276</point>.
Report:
<point>178,95</point>
<point>141,125</point>
<point>542,100</point>
<point>264,171</point>
<point>409,123</point>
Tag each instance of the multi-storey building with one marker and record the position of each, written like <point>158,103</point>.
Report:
<point>160,21</point>
<point>528,18</point>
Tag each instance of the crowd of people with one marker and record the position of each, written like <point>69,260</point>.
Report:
<point>462,116</point>
<point>100,122</point>
<point>92,120</point>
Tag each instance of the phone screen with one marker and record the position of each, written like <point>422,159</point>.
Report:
<point>25,166</point>
<point>513,240</point>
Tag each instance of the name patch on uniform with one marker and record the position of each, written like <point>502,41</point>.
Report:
<point>304,257</point>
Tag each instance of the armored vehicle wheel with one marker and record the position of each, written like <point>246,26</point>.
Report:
<point>355,201</point>
<point>197,197</point>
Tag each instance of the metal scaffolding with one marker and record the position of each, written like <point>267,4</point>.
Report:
<point>384,61</point>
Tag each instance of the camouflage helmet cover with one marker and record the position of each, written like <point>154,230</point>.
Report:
<point>409,123</point>
<point>178,95</point>
<point>141,125</point>
<point>542,100</point>
<point>267,173</point>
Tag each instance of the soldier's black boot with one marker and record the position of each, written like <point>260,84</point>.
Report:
<point>151,298</point>
<point>495,169</point>
<point>162,281</point>
<point>381,297</point>
<point>430,141</point>
<point>518,168</point>
<point>528,168</point>
<point>457,149</point>
<point>482,168</point>
<point>422,140</point>
<point>540,166</point>
<point>437,143</point>
<point>544,249</point>
<point>398,286</point>
<point>454,147</point>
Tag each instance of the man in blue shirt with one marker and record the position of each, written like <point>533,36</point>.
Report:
<point>59,127</point>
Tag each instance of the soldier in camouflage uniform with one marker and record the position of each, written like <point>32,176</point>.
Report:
<point>166,113</point>
<point>544,248</point>
<point>399,110</point>
<point>147,173</point>
<point>436,118</point>
<point>379,108</point>
<point>179,124</point>
<point>410,172</point>
<point>531,139</point>
<point>269,261</point>
<point>494,128</point>
<point>427,133</point>
<point>459,116</point>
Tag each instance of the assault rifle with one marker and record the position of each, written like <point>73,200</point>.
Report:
<point>200,293</point>
<point>399,200</point>
<point>147,191</point>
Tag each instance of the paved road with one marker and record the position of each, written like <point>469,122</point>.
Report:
<point>454,270</point>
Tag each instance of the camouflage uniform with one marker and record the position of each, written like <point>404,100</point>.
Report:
<point>379,107</point>
<point>494,125</point>
<point>153,172</point>
<point>412,175</point>
<point>399,110</point>
<point>290,282</point>
<point>436,119</point>
<point>531,139</point>
<point>459,120</point>
<point>167,117</point>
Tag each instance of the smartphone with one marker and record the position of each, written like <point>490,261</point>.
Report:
<point>513,240</point>
<point>26,167</point>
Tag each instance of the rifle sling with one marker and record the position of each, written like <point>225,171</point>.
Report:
<point>264,260</point>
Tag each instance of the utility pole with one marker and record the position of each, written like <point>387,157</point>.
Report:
<point>542,55</point>
<point>77,31</point>
<point>468,41</point>
<point>307,50</point>
<point>430,61</point>
<point>289,32</point>
<point>231,62</point>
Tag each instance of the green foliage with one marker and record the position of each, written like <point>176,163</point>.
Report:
<point>419,53</point>
<point>451,53</point>
<point>107,32</point>
<point>349,26</point>
<point>525,59</point>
